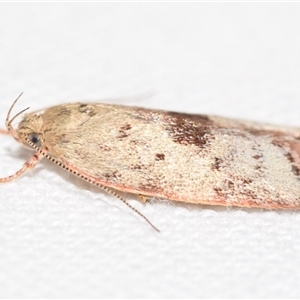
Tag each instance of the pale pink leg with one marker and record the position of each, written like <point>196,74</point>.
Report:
<point>29,165</point>
<point>4,131</point>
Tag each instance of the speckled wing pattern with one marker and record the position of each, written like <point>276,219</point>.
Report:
<point>182,157</point>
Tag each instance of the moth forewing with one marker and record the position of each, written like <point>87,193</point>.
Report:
<point>182,157</point>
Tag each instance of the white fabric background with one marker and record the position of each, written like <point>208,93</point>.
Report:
<point>60,237</point>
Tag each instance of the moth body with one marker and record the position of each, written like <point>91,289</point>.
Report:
<point>182,157</point>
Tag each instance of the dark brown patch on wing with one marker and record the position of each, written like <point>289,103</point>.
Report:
<point>123,131</point>
<point>159,156</point>
<point>291,150</point>
<point>246,181</point>
<point>217,164</point>
<point>259,159</point>
<point>229,183</point>
<point>219,191</point>
<point>126,127</point>
<point>189,129</point>
<point>113,176</point>
<point>196,118</point>
<point>295,168</point>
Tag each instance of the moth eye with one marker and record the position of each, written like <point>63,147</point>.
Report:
<point>35,139</point>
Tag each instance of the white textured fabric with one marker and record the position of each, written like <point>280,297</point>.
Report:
<point>60,237</point>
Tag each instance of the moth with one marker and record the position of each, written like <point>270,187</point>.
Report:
<point>154,153</point>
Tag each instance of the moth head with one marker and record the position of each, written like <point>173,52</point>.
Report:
<point>30,129</point>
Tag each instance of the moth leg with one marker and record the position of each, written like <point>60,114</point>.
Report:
<point>4,131</point>
<point>143,198</point>
<point>29,165</point>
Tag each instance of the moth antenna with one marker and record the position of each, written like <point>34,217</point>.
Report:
<point>11,108</point>
<point>8,121</point>
<point>85,178</point>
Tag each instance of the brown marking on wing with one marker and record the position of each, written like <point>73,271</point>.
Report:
<point>188,129</point>
<point>217,164</point>
<point>159,156</point>
<point>113,175</point>
<point>123,131</point>
<point>291,148</point>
